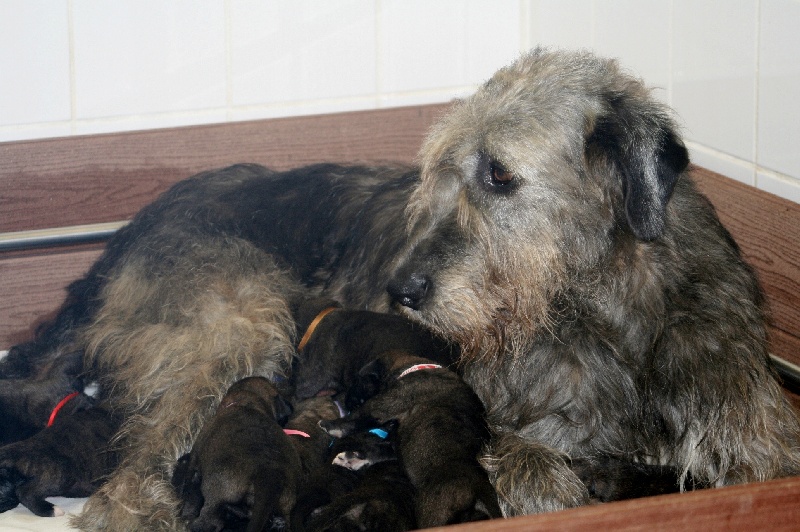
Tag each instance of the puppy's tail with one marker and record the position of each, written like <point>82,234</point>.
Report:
<point>530,477</point>
<point>263,507</point>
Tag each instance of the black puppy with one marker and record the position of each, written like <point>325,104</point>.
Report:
<point>610,479</point>
<point>375,493</point>
<point>27,403</point>
<point>335,344</point>
<point>440,434</point>
<point>70,458</point>
<point>242,472</point>
<point>367,444</point>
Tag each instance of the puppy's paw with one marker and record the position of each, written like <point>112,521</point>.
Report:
<point>337,428</point>
<point>352,460</point>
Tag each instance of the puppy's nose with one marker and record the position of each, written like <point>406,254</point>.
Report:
<point>409,290</point>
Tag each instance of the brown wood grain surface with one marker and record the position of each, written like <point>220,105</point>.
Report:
<point>102,178</point>
<point>32,286</point>
<point>764,506</point>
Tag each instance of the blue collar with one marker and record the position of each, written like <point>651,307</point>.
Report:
<point>382,434</point>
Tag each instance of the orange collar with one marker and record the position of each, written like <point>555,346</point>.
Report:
<point>312,327</point>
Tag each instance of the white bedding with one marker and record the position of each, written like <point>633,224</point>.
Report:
<point>20,518</point>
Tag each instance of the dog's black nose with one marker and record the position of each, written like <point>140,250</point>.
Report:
<point>409,290</point>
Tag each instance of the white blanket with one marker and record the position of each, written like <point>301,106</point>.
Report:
<point>20,518</point>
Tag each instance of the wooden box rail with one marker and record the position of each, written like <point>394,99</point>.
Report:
<point>55,184</point>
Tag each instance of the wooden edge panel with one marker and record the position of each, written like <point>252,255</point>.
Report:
<point>773,505</point>
<point>33,286</point>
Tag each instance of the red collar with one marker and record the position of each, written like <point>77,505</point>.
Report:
<point>293,432</point>
<point>60,405</point>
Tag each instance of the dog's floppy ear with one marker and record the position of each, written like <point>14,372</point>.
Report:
<point>639,142</point>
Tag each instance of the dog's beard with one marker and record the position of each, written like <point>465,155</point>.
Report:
<point>500,321</point>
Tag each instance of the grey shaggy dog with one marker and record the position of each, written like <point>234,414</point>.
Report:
<point>551,230</point>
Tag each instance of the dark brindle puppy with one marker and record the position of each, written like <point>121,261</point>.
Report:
<point>27,401</point>
<point>243,469</point>
<point>339,343</point>
<point>441,431</point>
<point>551,230</point>
<point>313,446</point>
<point>69,458</point>
<point>370,490</point>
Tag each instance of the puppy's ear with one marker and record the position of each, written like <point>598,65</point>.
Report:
<point>283,410</point>
<point>638,141</point>
<point>366,385</point>
<point>391,426</point>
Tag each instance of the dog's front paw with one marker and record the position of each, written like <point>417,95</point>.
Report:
<point>531,478</point>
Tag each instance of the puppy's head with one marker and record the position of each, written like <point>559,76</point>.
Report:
<point>10,479</point>
<point>367,444</point>
<point>257,393</point>
<point>336,345</point>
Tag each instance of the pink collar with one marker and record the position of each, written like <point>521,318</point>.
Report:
<point>417,367</point>
<point>293,432</point>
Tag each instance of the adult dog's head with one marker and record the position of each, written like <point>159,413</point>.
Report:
<point>528,186</point>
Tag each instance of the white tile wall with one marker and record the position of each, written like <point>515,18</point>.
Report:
<point>302,50</point>
<point>779,87</point>
<point>148,57</point>
<point>714,85</point>
<point>34,62</point>
<point>729,69</point>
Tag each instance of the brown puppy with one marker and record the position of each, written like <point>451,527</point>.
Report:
<point>243,468</point>
<point>69,458</point>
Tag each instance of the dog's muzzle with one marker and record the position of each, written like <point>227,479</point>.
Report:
<point>410,290</point>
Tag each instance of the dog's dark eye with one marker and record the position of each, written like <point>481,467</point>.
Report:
<point>494,177</point>
<point>499,175</point>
